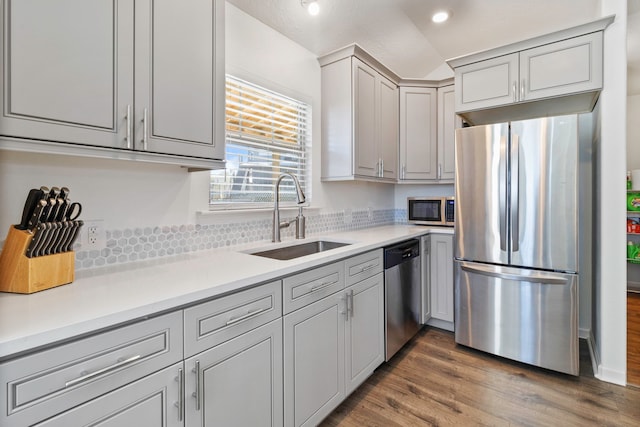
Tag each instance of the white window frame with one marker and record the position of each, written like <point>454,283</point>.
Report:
<point>291,114</point>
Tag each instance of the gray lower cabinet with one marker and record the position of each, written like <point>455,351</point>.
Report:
<point>441,277</point>
<point>46,383</point>
<point>150,402</point>
<point>237,383</point>
<point>314,360</point>
<point>144,76</point>
<point>364,330</point>
<point>425,247</point>
<point>230,361</point>
<point>332,345</point>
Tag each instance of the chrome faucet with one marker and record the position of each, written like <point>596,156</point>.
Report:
<point>299,220</point>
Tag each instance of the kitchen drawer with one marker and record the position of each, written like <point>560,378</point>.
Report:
<point>211,323</point>
<point>363,266</point>
<point>150,401</point>
<point>312,285</point>
<point>39,385</point>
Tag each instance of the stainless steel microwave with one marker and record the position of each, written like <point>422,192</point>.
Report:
<point>431,210</point>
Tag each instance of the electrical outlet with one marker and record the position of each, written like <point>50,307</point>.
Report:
<point>95,234</point>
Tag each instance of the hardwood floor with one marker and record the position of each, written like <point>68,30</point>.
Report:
<point>434,382</point>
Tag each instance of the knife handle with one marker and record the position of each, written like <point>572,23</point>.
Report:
<point>35,216</point>
<point>29,206</point>
<point>35,241</point>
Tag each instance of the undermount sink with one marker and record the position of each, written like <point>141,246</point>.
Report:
<point>299,250</point>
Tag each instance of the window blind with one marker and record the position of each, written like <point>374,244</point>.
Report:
<point>266,134</point>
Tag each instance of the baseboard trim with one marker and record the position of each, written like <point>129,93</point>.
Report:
<point>600,372</point>
<point>441,324</point>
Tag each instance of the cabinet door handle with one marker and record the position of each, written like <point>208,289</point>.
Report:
<point>180,402</point>
<point>316,288</point>
<point>345,308</point>
<point>128,120</point>
<point>439,170</point>
<point>350,302</point>
<point>381,168</point>
<point>145,131</point>
<point>84,376</point>
<point>249,315</point>
<point>515,91</point>
<point>404,171</point>
<point>196,394</point>
<point>522,89</point>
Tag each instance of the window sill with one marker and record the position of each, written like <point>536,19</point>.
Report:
<point>231,214</point>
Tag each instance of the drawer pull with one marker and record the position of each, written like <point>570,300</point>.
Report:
<point>368,267</point>
<point>249,315</point>
<point>88,376</point>
<point>321,286</point>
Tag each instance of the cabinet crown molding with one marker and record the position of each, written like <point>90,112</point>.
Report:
<point>579,30</point>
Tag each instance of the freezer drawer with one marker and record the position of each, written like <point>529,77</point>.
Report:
<point>525,315</point>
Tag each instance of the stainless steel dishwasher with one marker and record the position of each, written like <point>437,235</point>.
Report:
<point>402,294</point>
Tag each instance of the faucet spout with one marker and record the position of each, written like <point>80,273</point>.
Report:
<point>275,235</point>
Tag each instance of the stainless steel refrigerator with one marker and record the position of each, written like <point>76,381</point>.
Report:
<point>518,229</point>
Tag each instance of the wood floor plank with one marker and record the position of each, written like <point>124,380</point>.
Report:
<point>435,382</point>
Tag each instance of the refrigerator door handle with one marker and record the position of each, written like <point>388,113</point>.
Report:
<point>502,189</point>
<point>515,200</point>
<point>534,278</point>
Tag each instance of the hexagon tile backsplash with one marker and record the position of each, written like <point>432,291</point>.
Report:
<point>130,245</point>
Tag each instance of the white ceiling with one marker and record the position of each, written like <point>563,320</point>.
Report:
<point>400,34</point>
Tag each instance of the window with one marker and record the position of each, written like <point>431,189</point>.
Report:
<point>266,134</point>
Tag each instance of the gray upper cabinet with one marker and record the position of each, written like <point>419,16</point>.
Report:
<point>144,77</point>
<point>561,72</point>
<point>418,133</point>
<point>487,83</point>
<point>427,130</point>
<point>569,66</point>
<point>68,70</point>
<point>359,118</point>
<point>177,78</point>
<point>448,122</point>
<point>556,69</point>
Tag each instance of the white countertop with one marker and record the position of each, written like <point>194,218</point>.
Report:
<point>105,297</point>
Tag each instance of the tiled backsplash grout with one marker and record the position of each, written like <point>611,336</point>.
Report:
<point>130,245</point>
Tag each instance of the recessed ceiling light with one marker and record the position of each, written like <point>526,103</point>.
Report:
<point>439,17</point>
<point>312,6</point>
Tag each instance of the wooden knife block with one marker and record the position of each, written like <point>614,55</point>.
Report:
<point>23,275</point>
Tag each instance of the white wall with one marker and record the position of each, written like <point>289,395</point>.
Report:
<point>264,56</point>
<point>129,194</point>
<point>124,194</point>
<point>610,268</point>
<point>633,132</point>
